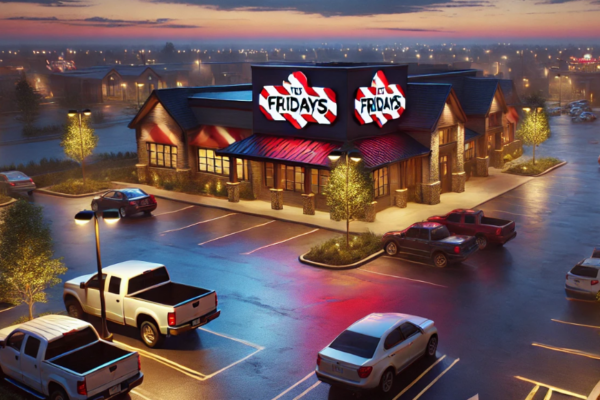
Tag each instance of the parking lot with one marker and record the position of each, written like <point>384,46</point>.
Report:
<point>506,329</point>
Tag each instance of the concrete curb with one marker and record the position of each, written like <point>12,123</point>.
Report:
<point>71,196</point>
<point>8,203</point>
<point>551,169</point>
<point>595,395</point>
<point>347,266</point>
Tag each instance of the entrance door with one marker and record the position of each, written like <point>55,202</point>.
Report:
<point>445,174</point>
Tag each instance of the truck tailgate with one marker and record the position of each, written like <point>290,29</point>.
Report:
<point>508,229</point>
<point>111,374</point>
<point>195,308</point>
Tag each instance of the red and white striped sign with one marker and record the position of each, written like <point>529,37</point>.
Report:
<point>298,103</point>
<point>380,103</point>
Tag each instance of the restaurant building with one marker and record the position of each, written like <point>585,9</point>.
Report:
<point>270,140</point>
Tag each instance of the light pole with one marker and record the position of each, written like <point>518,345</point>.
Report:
<point>124,90</point>
<point>78,113</point>
<point>355,156</point>
<point>139,87</point>
<point>110,216</point>
<point>535,111</point>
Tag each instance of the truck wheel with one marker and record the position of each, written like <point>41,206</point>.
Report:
<point>391,248</point>
<point>440,260</point>
<point>58,394</point>
<point>74,309</point>
<point>150,334</point>
<point>481,241</point>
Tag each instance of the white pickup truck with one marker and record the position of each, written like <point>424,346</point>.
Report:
<point>141,294</point>
<point>62,358</point>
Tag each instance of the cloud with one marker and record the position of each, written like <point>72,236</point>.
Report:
<point>408,30</point>
<point>101,22</point>
<point>50,3</point>
<point>332,8</point>
<point>32,19</point>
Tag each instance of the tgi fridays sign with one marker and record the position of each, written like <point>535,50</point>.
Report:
<point>380,103</point>
<point>298,103</point>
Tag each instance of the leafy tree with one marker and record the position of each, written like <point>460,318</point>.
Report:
<point>27,266</point>
<point>349,201</point>
<point>28,101</point>
<point>169,49</point>
<point>535,128</point>
<point>79,142</point>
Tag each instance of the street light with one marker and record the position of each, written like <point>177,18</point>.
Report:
<point>139,87</point>
<point>354,156</point>
<point>124,90</point>
<point>78,113</point>
<point>109,216</point>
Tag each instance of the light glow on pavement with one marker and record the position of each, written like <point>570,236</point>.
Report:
<point>568,351</point>
<point>401,277</point>
<point>283,241</point>
<point>197,223</point>
<point>573,323</point>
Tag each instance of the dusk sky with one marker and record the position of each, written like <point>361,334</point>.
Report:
<point>307,20</point>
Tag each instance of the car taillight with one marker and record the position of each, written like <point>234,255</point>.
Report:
<point>498,231</point>
<point>456,250</point>
<point>31,180</point>
<point>364,372</point>
<point>216,300</point>
<point>82,388</point>
<point>594,282</point>
<point>11,183</point>
<point>172,319</point>
<point>319,360</point>
<point>132,203</point>
<point>139,363</point>
<point>152,198</point>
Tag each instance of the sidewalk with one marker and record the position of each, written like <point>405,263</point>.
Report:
<point>478,190</point>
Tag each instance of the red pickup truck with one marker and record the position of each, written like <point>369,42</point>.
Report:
<point>474,223</point>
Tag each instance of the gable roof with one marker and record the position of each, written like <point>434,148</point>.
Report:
<point>387,149</point>
<point>476,95</point>
<point>510,92</point>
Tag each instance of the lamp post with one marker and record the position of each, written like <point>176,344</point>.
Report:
<point>79,113</point>
<point>535,110</point>
<point>109,216</point>
<point>124,90</point>
<point>355,156</point>
<point>139,87</point>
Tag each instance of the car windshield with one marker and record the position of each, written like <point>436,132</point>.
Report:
<point>148,279</point>
<point>440,233</point>
<point>356,344</point>
<point>70,341</point>
<point>16,176</point>
<point>132,193</point>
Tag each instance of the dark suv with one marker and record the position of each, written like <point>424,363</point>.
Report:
<point>431,241</point>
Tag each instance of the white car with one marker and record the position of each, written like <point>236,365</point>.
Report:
<point>583,281</point>
<point>373,350</point>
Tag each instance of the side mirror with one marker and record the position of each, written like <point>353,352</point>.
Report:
<point>81,285</point>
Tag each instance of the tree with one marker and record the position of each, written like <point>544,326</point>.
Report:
<point>27,266</point>
<point>79,141</point>
<point>535,128</point>
<point>169,49</point>
<point>349,201</point>
<point>28,101</point>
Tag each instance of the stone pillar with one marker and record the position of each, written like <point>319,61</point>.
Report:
<point>481,166</point>
<point>308,204</point>
<point>431,192</point>
<point>401,198</point>
<point>233,192</point>
<point>370,212</point>
<point>498,161</point>
<point>458,181</point>
<point>142,173</point>
<point>277,199</point>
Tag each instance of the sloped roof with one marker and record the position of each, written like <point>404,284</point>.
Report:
<point>471,134</point>
<point>240,95</point>
<point>476,95</point>
<point>383,150</point>
<point>510,92</point>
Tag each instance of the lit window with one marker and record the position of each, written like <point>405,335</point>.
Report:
<point>380,177</point>
<point>208,161</point>
<point>292,178</point>
<point>162,155</point>
<point>469,151</point>
<point>269,175</point>
<point>319,179</point>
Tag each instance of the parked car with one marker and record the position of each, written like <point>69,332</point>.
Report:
<point>474,223</point>
<point>141,294</point>
<point>588,116</point>
<point>15,182</point>
<point>62,358</point>
<point>583,280</point>
<point>575,111</point>
<point>554,111</point>
<point>373,350</point>
<point>128,201</point>
<point>430,241</point>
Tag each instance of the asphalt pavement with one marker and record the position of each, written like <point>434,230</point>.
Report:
<point>506,330</point>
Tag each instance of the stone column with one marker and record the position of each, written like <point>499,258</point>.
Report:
<point>401,198</point>
<point>431,187</point>
<point>481,166</point>
<point>233,192</point>
<point>458,181</point>
<point>277,199</point>
<point>498,161</point>
<point>142,173</point>
<point>308,204</point>
<point>370,212</point>
<point>431,192</point>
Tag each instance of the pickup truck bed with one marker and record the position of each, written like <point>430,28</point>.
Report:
<point>494,221</point>
<point>171,294</point>
<point>91,357</point>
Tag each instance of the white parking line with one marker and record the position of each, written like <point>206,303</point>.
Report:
<point>436,379</point>
<point>172,212</point>
<point>283,241</point>
<point>235,233</point>
<point>573,323</point>
<point>312,373</point>
<point>533,392</point>
<point>401,277</point>
<point>406,389</point>
<point>6,309</point>
<point>197,223</point>
<point>307,390</point>
<point>567,350</point>
<point>137,393</point>
<point>553,388</point>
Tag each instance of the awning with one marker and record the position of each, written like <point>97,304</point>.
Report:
<point>383,150</point>
<point>218,137</point>
<point>158,134</point>
<point>275,148</point>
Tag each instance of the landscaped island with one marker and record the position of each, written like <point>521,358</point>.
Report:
<point>335,252</point>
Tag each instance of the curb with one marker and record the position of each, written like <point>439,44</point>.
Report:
<point>347,266</point>
<point>71,196</point>
<point>551,169</point>
<point>595,395</point>
<point>8,203</point>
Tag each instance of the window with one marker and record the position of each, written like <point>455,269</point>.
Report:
<point>32,346</point>
<point>469,219</point>
<point>424,234</point>
<point>490,142</point>
<point>94,284</point>
<point>70,342</point>
<point>413,233</point>
<point>133,193</point>
<point>440,233</point>
<point>409,329</point>
<point>319,179</point>
<point>292,178</point>
<point>393,339</point>
<point>446,136</point>
<point>162,155</point>
<point>356,344</point>
<point>454,217</point>
<point>148,279</point>
<point>16,340</point>
<point>269,175</point>
<point>588,272</point>
<point>114,285</point>
<point>242,169</point>
<point>380,176</point>
<point>208,161</point>
<point>469,151</point>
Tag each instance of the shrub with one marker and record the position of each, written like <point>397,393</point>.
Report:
<point>76,186</point>
<point>334,251</point>
<point>508,158</point>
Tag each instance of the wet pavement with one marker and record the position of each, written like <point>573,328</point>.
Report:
<point>506,330</point>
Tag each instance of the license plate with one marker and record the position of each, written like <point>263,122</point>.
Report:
<point>337,370</point>
<point>196,322</point>
<point>114,390</point>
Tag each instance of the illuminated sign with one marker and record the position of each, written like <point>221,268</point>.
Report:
<point>380,102</point>
<point>298,103</point>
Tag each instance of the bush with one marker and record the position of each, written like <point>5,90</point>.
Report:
<point>334,251</point>
<point>43,167</point>
<point>529,169</point>
<point>76,186</point>
<point>508,158</point>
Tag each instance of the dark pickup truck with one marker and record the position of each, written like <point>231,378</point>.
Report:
<point>431,241</point>
<point>474,223</point>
